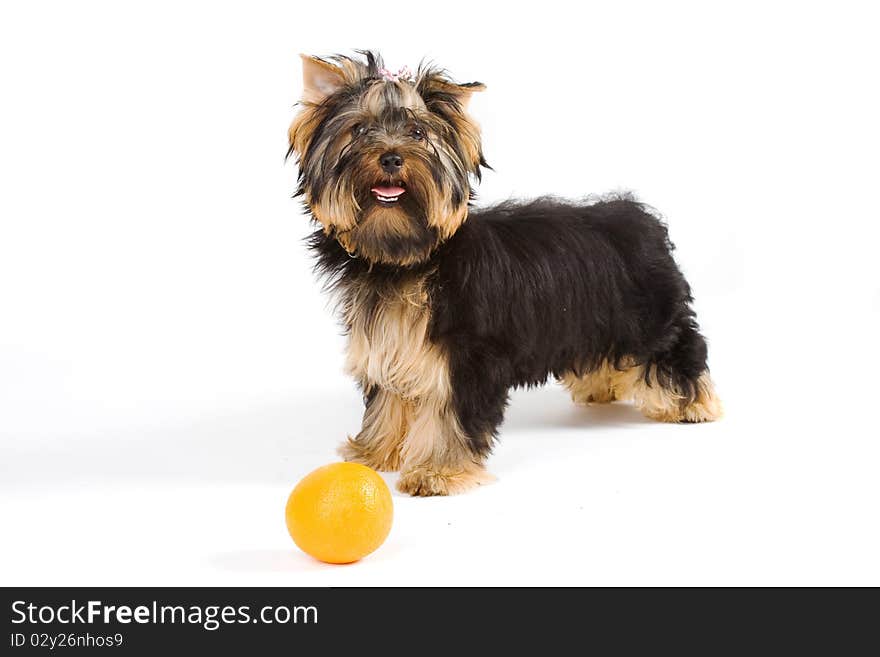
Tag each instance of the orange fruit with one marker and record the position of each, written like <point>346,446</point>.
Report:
<point>340,513</point>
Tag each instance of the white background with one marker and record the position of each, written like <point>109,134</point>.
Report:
<point>169,368</point>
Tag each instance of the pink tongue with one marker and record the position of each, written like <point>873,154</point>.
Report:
<point>388,191</point>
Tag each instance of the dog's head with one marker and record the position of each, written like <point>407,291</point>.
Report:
<point>385,159</point>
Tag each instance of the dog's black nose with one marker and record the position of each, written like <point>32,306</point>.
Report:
<point>391,163</point>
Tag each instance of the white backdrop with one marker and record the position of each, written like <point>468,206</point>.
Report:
<point>169,367</point>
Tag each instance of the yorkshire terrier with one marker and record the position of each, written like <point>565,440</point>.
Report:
<point>447,307</point>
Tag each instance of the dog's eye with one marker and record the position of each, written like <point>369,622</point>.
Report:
<point>358,130</point>
<point>417,133</point>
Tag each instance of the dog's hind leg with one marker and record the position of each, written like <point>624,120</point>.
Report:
<point>667,399</point>
<point>674,385</point>
<point>595,387</point>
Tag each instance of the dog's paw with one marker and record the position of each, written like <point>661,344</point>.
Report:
<point>426,481</point>
<point>705,407</point>
<point>601,397</point>
<point>352,451</point>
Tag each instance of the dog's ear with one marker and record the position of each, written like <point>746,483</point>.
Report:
<point>464,91</point>
<point>460,92</point>
<point>320,79</point>
<point>449,101</point>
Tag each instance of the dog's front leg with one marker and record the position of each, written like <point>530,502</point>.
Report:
<point>384,428</point>
<point>436,455</point>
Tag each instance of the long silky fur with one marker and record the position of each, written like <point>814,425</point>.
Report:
<point>528,290</point>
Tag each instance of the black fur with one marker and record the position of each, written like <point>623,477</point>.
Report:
<point>523,291</point>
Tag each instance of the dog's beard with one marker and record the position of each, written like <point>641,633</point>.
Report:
<point>391,233</point>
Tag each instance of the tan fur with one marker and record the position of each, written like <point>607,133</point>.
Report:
<point>593,388</point>
<point>464,124</point>
<point>320,79</point>
<point>469,133</point>
<point>301,129</point>
<point>388,221</point>
<point>657,402</point>
<point>463,93</point>
<point>379,441</point>
<point>373,100</point>
<point>443,480</point>
<point>705,407</point>
<point>337,209</point>
<point>379,225</point>
<point>389,347</point>
<point>448,220</point>
<point>420,434</point>
<point>435,437</point>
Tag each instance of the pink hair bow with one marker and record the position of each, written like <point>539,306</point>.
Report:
<point>403,74</point>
